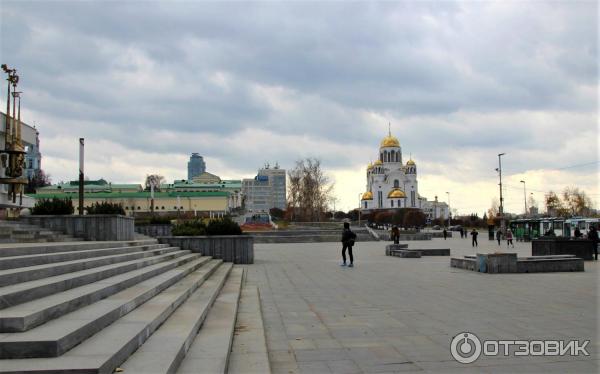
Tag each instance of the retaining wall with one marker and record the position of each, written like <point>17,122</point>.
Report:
<point>101,227</point>
<point>581,248</point>
<point>154,230</point>
<point>238,249</point>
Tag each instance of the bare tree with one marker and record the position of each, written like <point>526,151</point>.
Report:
<point>576,202</point>
<point>309,191</point>
<point>153,181</point>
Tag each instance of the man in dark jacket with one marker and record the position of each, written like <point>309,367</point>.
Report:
<point>348,238</point>
<point>593,236</point>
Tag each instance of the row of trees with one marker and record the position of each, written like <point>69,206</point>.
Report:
<point>571,202</point>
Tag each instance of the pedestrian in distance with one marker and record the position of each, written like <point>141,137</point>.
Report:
<point>509,238</point>
<point>445,233</point>
<point>498,236</point>
<point>395,235</point>
<point>577,233</point>
<point>461,232</point>
<point>348,240</point>
<point>474,234</point>
<point>593,236</point>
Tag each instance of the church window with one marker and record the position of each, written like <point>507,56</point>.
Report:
<point>379,199</point>
<point>399,203</point>
<point>412,198</point>
<point>392,202</point>
<point>365,205</point>
<point>396,183</point>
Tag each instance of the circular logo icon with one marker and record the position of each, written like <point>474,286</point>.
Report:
<point>465,348</point>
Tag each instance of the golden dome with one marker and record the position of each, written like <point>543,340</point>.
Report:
<point>378,162</point>
<point>396,193</point>
<point>370,166</point>
<point>367,196</point>
<point>389,141</point>
<point>410,163</point>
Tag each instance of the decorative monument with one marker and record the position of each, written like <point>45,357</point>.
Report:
<point>12,153</point>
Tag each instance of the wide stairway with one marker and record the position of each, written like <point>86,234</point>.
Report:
<point>133,307</point>
<point>18,232</point>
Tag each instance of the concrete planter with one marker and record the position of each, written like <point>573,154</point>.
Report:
<point>154,231</point>
<point>96,227</point>
<point>561,246</point>
<point>238,249</point>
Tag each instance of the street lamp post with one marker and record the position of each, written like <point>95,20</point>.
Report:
<point>524,197</point>
<point>449,222</point>
<point>501,209</point>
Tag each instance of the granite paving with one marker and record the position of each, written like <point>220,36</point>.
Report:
<point>396,315</point>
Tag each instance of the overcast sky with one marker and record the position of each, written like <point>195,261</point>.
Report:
<point>147,83</point>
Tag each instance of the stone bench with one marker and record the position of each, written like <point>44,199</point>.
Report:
<point>406,253</point>
<point>509,263</point>
<point>394,247</point>
<point>433,251</point>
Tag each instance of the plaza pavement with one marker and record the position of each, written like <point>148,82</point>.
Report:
<point>392,314</point>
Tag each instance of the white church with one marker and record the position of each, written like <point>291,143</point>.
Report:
<point>391,184</point>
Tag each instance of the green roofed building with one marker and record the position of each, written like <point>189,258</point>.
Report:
<point>180,196</point>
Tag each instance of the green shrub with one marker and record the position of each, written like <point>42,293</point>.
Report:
<point>160,220</point>
<point>189,228</point>
<point>223,226</point>
<point>106,208</point>
<point>54,206</point>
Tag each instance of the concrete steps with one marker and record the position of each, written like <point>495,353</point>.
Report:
<point>28,273</point>
<point>111,346</point>
<point>25,316</point>
<point>171,311</point>
<point>11,262</point>
<point>211,348</point>
<point>26,291</point>
<point>249,352</point>
<point>56,337</point>
<point>17,232</point>
<point>181,329</point>
<point>22,249</point>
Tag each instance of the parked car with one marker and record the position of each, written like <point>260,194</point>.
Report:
<point>436,227</point>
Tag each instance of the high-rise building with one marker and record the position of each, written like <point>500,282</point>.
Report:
<point>196,166</point>
<point>266,190</point>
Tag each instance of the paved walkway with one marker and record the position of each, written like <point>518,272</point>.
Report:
<point>393,314</point>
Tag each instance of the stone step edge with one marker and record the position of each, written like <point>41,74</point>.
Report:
<point>50,286</point>
<point>240,361</point>
<point>28,319</point>
<point>47,258</point>
<point>46,248</point>
<point>32,273</point>
<point>153,356</point>
<point>63,341</point>
<point>205,351</point>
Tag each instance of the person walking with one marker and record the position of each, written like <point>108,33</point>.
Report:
<point>461,232</point>
<point>577,233</point>
<point>445,233</point>
<point>499,236</point>
<point>593,236</point>
<point>395,235</point>
<point>509,238</point>
<point>348,239</point>
<point>474,234</point>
